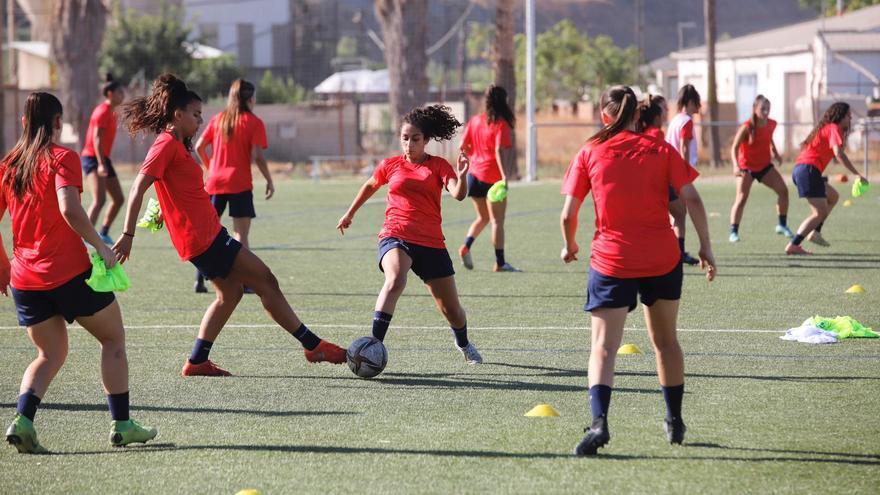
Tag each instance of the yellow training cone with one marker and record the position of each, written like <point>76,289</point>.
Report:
<point>847,202</point>
<point>248,491</point>
<point>629,349</point>
<point>855,289</point>
<point>542,411</point>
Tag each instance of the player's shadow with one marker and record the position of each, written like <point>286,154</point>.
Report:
<point>829,457</point>
<point>197,410</point>
<point>772,378</point>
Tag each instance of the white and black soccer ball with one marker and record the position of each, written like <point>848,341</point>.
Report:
<point>366,357</point>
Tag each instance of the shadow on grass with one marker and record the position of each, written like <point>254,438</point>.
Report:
<point>826,457</point>
<point>197,410</point>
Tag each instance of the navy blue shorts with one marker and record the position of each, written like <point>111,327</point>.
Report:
<point>218,259</point>
<point>672,195</point>
<point>428,263</point>
<point>477,188</point>
<point>90,164</point>
<point>809,181</point>
<point>71,300</point>
<point>611,292</point>
<point>241,205</point>
<point>759,175</point>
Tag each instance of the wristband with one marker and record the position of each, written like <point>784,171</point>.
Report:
<point>129,235</point>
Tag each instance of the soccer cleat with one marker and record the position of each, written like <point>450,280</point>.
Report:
<point>597,436</point>
<point>507,267</point>
<point>816,238</point>
<point>688,259</point>
<point>784,230</point>
<point>325,352</point>
<point>208,368</point>
<point>125,432</point>
<point>470,353</point>
<point>22,434</point>
<point>674,429</point>
<point>734,237</point>
<point>200,287</point>
<point>464,253</point>
<point>795,250</point>
<point>106,239</point>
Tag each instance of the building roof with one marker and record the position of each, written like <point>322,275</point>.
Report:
<point>355,81</point>
<point>793,38</point>
<point>853,41</point>
<point>35,48</point>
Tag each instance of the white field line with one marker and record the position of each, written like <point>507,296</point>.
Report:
<point>415,327</point>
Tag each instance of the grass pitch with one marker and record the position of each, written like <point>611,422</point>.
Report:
<point>764,415</point>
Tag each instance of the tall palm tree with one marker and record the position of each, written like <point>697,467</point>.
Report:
<point>712,95</point>
<point>404,29</point>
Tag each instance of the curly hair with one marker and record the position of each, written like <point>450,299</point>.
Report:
<point>834,115</point>
<point>155,111</point>
<point>435,121</point>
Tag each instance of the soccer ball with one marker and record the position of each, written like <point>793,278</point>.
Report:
<point>366,357</point>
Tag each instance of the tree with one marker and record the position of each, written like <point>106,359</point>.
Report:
<point>77,32</point>
<point>712,96</point>
<point>404,30</point>
<point>831,5</point>
<point>273,90</point>
<point>504,63</point>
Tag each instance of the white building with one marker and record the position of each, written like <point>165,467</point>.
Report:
<point>801,68</point>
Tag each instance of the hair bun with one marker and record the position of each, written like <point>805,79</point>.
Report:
<point>108,77</point>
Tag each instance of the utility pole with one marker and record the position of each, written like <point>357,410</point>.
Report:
<point>712,90</point>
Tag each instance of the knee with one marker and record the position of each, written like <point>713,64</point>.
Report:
<point>54,358</point>
<point>230,297</point>
<point>498,223</point>
<point>483,221</point>
<point>395,285</point>
<point>665,345</point>
<point>99,201</point>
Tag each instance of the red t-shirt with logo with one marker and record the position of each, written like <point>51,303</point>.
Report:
<point>191,219</point>
<point>484,138</point>
<point>46,252</point>
<point>820,150</point>
<point>755,156</point>
<point>414,190</point>
<point>629,176</point>
<point>102,118</point>
<point>229,171</point>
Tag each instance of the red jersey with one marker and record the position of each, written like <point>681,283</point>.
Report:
<point>229,171</point>
<point>103,117</point>
<point>191,219</point>
<point>414,189</point>
<point>755,156</point>
<point>46,252</point>
<point>820,150</point>
<point>654,132</point>
<point>629,176</point>
<point>484,138</point>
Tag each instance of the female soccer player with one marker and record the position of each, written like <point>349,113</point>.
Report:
<point>750,155</point>
<point>96,163</point>
<point>484,137</point>
<point>175,113</point>
<point>652,115</point>
<point>825,141</point>
<point>680,134</point>
<point>233,135</point>
<point>40,186</point>
<point>633,252</point>
<point>412,237</point>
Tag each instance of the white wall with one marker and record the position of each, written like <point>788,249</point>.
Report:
<point>262,14</point>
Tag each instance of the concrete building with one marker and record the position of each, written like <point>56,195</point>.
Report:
<point>801,68</point>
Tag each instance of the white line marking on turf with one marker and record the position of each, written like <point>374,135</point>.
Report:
<point>416,327</point>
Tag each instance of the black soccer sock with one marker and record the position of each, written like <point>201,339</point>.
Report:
<point>783,220</point>
<point>105,230</point>
<point>381,321</point>
<point>27,404</point>
<point>681,244</point>
<point>499,257</point>
<point>119,409</point>
<point>200,351</point>
<point>468,241</point>
<point>673,397</point>
<point>819,227</point>
<point>461,338</point>
<point>734,228</point>
<point>600,400</point>
<point>306,337</point>
<point>798,239</point>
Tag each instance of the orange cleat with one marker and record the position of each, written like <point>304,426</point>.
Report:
<point>795,249</point>
<point>325,352</point>
<point>208,368</point>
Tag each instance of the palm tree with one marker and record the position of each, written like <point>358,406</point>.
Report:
<point>404,29</point>
<point>712,96</point>
<point>503,53</point>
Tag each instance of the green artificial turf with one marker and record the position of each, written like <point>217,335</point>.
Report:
<point>763,415</point>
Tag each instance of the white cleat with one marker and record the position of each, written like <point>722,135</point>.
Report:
<point>817,239</point>
<point>470,353</point>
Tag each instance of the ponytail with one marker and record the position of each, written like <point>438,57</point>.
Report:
<point>40,113</point>
<point>834,115</point>
<point>753,120</point>
<point>621,103</point>
<point>155,111</point>
<point>240,92</point>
